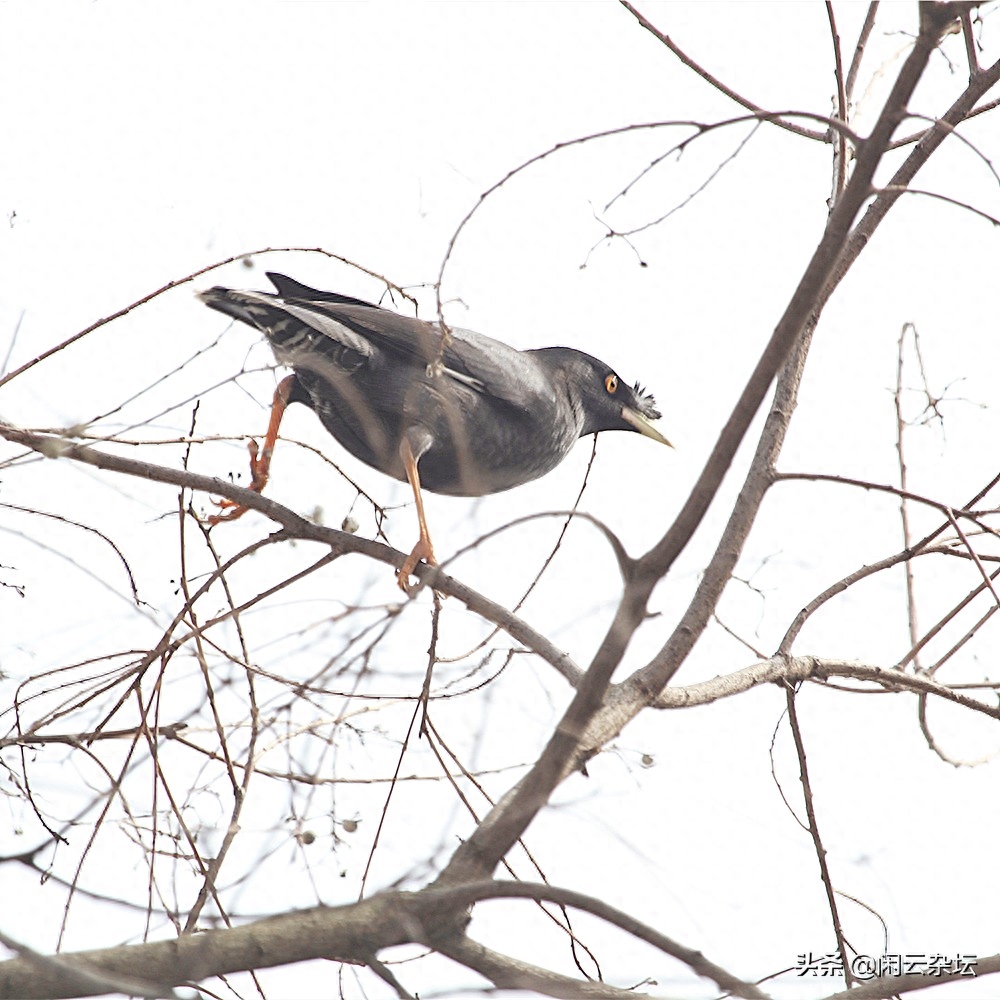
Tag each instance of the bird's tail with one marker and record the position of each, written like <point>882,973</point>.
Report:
<point>252,308</point>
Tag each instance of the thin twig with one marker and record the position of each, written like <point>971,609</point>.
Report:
<point>859,51</point>
<point>807,796</point>
<point>714,80</point>
<point>840,147</point>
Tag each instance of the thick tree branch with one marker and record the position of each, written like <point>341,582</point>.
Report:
<point>934,19</point>
<point>466,895</point>
<point>349,933</point>
<point>891,986</point>
<point>508,820</point>
<point>508,973</point>
<point>354,933</point>
<point>818,668</point>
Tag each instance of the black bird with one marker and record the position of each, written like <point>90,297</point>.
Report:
<point>462,414</point>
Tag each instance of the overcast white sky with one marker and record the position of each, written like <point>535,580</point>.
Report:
<point>142,142</point>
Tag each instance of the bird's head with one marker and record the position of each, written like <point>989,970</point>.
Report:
<point>604,400</point>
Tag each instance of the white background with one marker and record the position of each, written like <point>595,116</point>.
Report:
<point>144,142</point>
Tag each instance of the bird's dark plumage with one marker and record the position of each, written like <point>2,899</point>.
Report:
<point>477,416</point>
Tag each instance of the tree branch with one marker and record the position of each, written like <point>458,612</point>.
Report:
<point>508,820</point>
<point>298,527</point>
<point>714,81</point>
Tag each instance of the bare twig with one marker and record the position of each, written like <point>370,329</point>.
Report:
<point>859,51</point>
<point>807,797</point>
<point>713,80</point>
<point>840,148</point>
<point>125,310</point>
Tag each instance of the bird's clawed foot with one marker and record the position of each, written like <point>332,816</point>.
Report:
<point>422,550</point>
<point>260,466</point>
<point>260,459</point>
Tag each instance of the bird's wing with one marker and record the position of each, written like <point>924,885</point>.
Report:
<point>482,364</point>
<point>503,371</point>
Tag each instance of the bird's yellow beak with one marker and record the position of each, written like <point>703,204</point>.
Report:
<point>643,426</point>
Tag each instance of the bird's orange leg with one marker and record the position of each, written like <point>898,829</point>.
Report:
<point>260,463</point>
<point>424,549</point>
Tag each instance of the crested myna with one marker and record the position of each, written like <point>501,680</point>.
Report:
<point>462,414</point>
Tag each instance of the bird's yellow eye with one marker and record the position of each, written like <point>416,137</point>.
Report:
<point>611,384</point>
